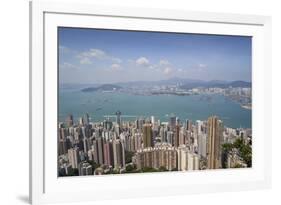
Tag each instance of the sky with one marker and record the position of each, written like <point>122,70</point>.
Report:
<point>96,56</point>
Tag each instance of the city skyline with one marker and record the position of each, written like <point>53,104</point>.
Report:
<point>149,145</point>
<point>97,56</point>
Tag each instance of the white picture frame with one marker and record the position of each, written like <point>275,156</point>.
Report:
<point>46,187</point>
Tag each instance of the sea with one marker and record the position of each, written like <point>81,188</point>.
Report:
<point>100,105</point>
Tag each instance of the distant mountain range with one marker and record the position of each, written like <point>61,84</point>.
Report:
<point>105,87</point>
<point>186,83</point>
<point>217,84</point>
<point>170,81</point>
<point>181,82</point>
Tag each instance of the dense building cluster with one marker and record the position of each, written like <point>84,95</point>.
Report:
<point>163,155</point>
<point>144,145</point>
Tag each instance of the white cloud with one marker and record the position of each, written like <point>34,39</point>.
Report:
<point>116,67</point>
<point>66,65</point>
<point>85,60</point>
<point>64,49</point>
<point>97,53</point>
<point>86,57</point>
<point>93,52</point>
<point>164,62</point>
<point>167,71</point>
<point>142,61</point>
<point>201,65</point>
<point>157,67</point>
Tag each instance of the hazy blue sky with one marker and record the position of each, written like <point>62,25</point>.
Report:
<point>107,56</point>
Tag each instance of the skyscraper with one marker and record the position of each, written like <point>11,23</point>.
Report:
<point>152,120</point>
<point>182,136</point>
<point>162,134</point>
<point>98,150</point>
<point>86,119</point>
<point>138,139</point>
<point>193,161</point>
<point>73,157</point>
<point>118,154</point>
<point>182,158</point>
<point>85,144</point>
<point>173,121</point>
<point>188,124</point>
<point>139,123</point>
<point>170,137</point>
<point>214,131</point>
<point>118,117</point>
<point>147,136</point>
<point>95,152</point>
<point>81,121</point>
<point>69,120</point>
<point>163,155</point>
<point>108,153</point>
<point>199,127</point>
<point>176,136</point>
<point>62,146</point>
<point>107,124</point>
<point>202,144</point>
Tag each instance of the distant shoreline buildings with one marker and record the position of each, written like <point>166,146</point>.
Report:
<point>240,93</point>
<point>148,145</point>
